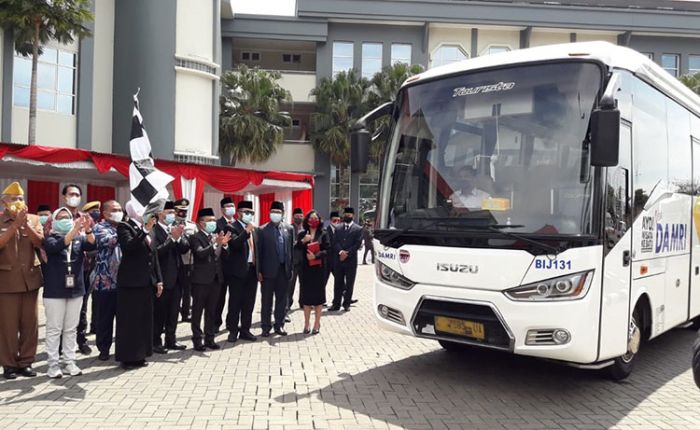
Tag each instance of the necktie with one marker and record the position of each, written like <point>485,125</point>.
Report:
<point>251,249</point>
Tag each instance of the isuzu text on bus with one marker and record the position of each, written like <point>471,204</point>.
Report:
<point>542,201</point>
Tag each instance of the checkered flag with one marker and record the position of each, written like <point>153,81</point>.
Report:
<point>147,183</point>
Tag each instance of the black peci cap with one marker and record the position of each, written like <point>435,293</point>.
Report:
<point>335,214</point>
<point>349,210</point>
<point>169,205</point>
<point>43,208</point>
<point>205,212</point>
<point>277,206</point>
<point>226,201</point>
<point>298,211</point>
<point>245,204</point>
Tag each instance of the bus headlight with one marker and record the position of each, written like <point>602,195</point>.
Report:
<point>569,287</point>
<point>392,277</point>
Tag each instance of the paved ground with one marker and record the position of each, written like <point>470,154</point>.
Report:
<point>355,376</point>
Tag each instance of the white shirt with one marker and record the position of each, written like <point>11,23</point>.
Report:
<point>471,200</point>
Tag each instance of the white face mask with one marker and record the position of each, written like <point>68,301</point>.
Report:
<point>229,212</point>
<point>73,201</point>
<point>275,217</point>
<point>247,218</point>
<point>116,216</point>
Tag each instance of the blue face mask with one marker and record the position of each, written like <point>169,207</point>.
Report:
<point>229,211</point>
<point>63,226</point>
<point>169,219</point>
<point>43,219</point>
<point>210,227</point>
<point>247,218</point>
<point>275,218</point>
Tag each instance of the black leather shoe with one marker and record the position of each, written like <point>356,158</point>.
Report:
<point>347,308</point>
<point>212,345</point>
<point>334,308</point>
<point>160,349</point>
<point>199,347</point>
<point>280,331</point>
<point>353,301</point>
<point>176,346</point>
<point>142,363</point>
<point>246,335</point>
<point>85,349</point>
<point>27,372</point>
<point>186,319</point>
<point>265,333</point>
<point>9,373</point>
<point>104,356</point>
<point>232,338</point>
<point>287,319</point>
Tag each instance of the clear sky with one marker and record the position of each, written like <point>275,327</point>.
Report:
<point>264,7</point>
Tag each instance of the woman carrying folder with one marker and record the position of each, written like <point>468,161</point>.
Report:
<point>314,241</point>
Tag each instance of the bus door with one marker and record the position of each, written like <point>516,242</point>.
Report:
<point>694,305</point>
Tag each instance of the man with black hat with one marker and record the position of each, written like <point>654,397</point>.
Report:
<point>44,213</point>
<point>297,256</point>
<point>330,230</point>
<point>185,270</point>
<point>206,247</point>
<point>346,242</point>
<point>240,273</point>
<point>275,243</point>
<point>169,241</point>
<point>228,212</point>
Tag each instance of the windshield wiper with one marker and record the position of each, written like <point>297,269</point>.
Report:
<point>553,249</point>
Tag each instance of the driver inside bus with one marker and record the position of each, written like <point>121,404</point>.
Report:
<point>468,195</point>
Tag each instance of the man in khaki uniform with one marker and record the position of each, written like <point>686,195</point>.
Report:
<point>21,236</point>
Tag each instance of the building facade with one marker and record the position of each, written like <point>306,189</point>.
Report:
<point>176,50</point>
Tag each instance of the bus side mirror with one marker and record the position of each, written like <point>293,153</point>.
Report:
<point>605,137</point>
<point>359,150</point>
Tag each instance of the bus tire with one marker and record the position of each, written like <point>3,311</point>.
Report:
<point>452,346</point>
<point>622,366</point>
<point>695,324</point>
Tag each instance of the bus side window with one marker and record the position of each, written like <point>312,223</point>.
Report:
<point>617,208</point>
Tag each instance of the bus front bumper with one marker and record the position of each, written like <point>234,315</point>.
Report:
<point>559,330</point>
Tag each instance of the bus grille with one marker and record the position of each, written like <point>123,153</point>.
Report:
<point>496,335</point>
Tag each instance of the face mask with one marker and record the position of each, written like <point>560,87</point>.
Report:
<point>15,207</point>
<point>347,219</point>
<point>247,218</point>
<point>275,218</point>
<point>229,212</point>
<point>116,216</point>
<point>210,226</point>
<point>313,223</point>
<point>43,219</point>
<point>298,220</point>
<point>95,216</point>
<point>335,222</point>
<point>63,226</point>
<point>73,201</point>
<point>169,219</point>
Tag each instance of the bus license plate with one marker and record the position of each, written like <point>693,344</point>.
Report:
<point>460,327</point>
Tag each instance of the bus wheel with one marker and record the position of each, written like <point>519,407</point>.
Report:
<point>622,366</point>
<point>452,346</point>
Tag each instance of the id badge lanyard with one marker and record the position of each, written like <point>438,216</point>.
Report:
<point>70,277</point>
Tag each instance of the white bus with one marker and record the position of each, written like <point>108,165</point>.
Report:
<point>542,202</point>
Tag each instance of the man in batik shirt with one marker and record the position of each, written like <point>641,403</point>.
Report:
<point>104,280</point>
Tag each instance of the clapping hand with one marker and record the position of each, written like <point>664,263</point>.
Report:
<point>343,255</point>
<point>21,217</point>
<point>159,289</point>
<point>223,239</point>
<point>177,231</point>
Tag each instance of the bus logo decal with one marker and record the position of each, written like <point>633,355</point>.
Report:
<point>467,91</point>
<point>404,256</point>
<point>457,268</point>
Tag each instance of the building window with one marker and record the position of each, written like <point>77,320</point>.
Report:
<point>400,53</point>
<point>195,65</point>
<point>250,56</point>
<point>447,54</point>
<point>296,123</point>
<point>693,64</point>
<point>670,63</point>
<point>342,57</point>
<point>371,59</point>
<point>497,49</point>
<point>291,58</point>
<point>649,55</point>
<point>55,78</point>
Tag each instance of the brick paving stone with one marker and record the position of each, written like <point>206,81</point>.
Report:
<point>355,376</point>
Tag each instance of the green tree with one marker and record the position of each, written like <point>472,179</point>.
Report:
<point>251,122</point>
<point>340,102</point>
<point>692,82</point>
<point>33,23</point>
<point>384,88</point>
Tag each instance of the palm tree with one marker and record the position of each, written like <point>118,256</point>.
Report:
<point>384,87</point>
<point>692,82</point>
<point>340,102</point>
<point>33,23</point>
<point>251,122</point>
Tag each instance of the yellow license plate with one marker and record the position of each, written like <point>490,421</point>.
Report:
<point>460,327</point>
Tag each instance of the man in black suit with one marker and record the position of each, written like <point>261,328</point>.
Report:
<point>346,241</point>
<point>330,230</point>
<point>170,242</point>
<point>298,256</point>
<point>274,268</point>
<point>228,210</point>
<point>240,273</point>
<point>207,248</point>
<point>185,272</point>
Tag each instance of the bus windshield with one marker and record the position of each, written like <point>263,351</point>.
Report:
<point>503,148</point>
